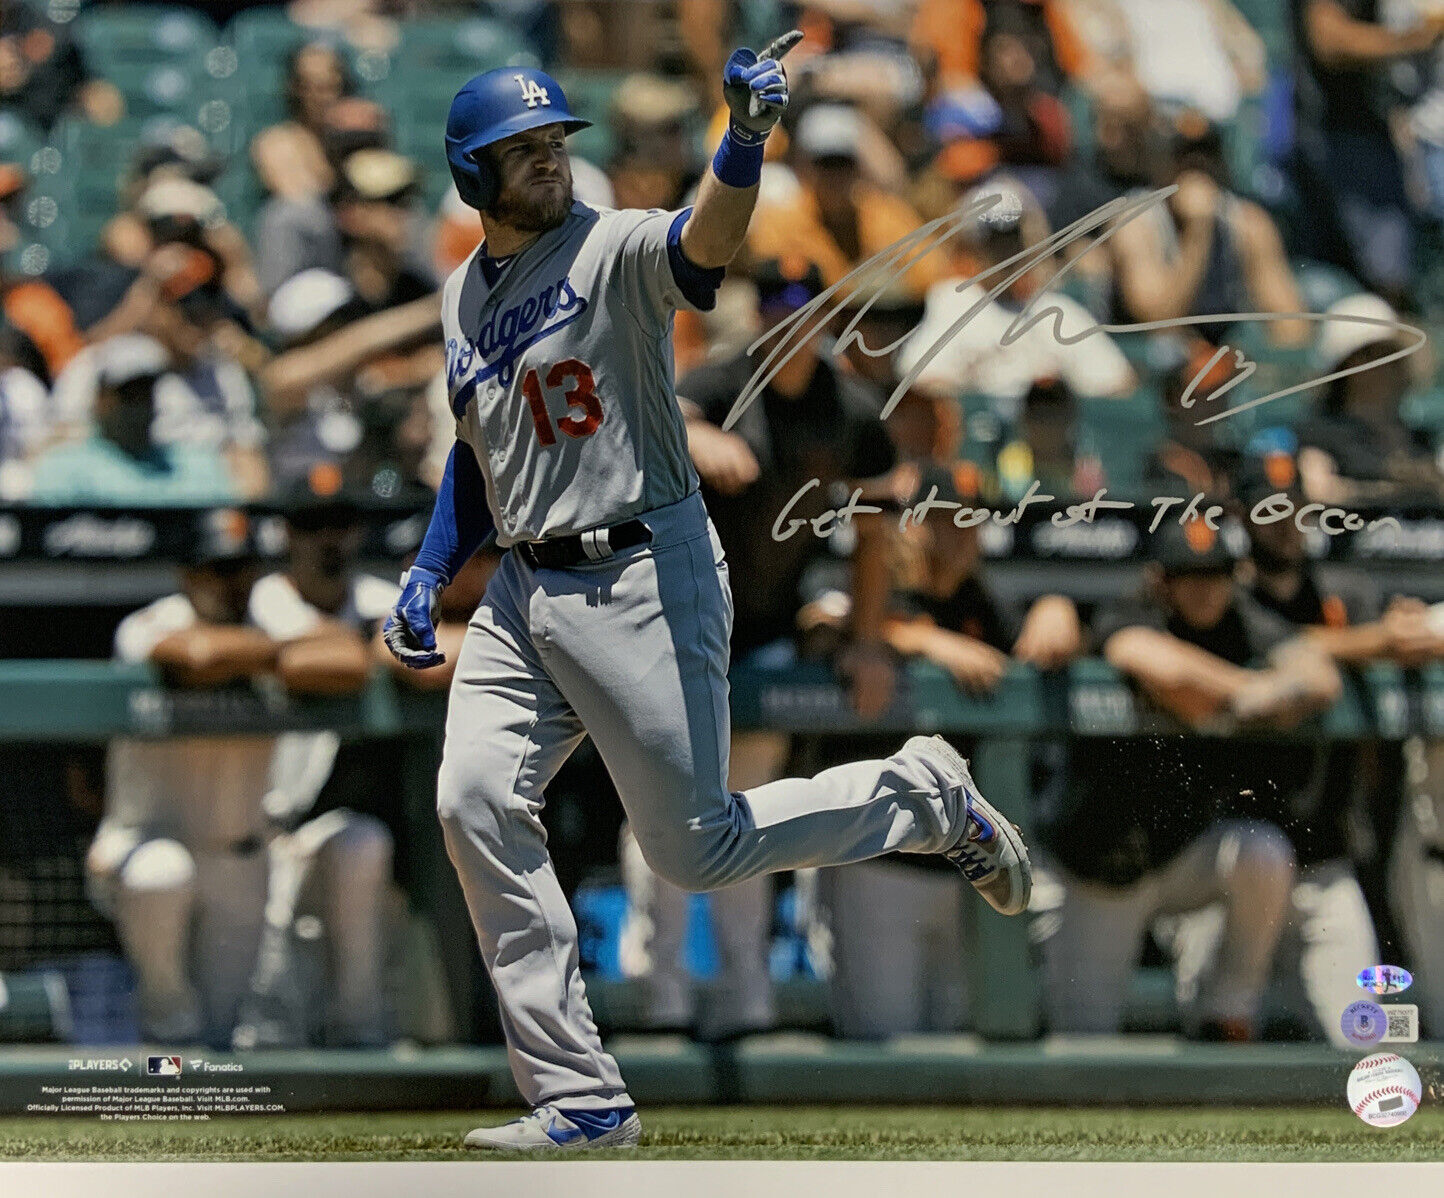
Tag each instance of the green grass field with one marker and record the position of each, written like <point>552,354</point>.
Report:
<point>770,1133</point>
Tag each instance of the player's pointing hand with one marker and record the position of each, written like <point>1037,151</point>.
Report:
<point>755,87</point>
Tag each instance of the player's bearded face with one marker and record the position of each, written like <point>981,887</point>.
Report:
<point>536,180</point>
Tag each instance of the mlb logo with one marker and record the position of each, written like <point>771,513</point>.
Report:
<point>163,1066</point>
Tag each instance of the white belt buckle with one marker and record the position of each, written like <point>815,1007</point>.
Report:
<point>596,544</point>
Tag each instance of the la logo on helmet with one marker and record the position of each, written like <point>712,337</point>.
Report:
<point>532,92</point>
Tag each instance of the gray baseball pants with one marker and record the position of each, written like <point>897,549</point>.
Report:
<point>632,650</point>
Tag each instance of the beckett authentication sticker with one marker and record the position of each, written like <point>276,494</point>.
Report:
<point>1364,1023</point>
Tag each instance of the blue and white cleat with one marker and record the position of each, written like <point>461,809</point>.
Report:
<point>548,1128</point>
<point>991,854</point>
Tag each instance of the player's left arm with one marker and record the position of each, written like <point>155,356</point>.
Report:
<point>755,87</point>
<point>1299,681</point>
<point>330,660</point>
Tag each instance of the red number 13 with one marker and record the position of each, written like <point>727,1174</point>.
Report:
<point>583,396</point>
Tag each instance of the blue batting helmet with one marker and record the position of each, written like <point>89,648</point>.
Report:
<point>494,105</point>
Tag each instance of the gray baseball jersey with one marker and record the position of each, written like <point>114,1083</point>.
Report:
<point>561,374</point>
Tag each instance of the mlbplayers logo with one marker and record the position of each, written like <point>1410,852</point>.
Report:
<point>163,1066</point>
<point>532,92</point>
<point>1385,979</point>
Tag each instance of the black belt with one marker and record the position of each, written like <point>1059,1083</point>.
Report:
<point>594,545</point>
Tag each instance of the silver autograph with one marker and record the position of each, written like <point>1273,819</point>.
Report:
<point>894,260</point>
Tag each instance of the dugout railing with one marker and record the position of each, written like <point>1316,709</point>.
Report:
<point>89,702</point>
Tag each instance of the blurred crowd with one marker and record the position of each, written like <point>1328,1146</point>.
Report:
<point>293,323</point>
<point>282,345</point>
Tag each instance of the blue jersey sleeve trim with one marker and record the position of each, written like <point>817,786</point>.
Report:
<point>461,520</point>
<point>699,284</point>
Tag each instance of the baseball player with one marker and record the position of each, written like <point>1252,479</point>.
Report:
<point>610,614</point>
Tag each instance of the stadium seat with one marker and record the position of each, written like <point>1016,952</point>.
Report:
<point>93,165</point>
<point>142,34</point>
<point>18,139</point>
<point>1424,410</point>
<point>95,162</point>
<point>459,49</point>
<point>1243,143</point>
<point>1080,117</point>
<point>983,433</point>
<point>1270,19</point>
<point>263,39</point>
<point>1322,285</point>
<point>1122,432</point>
<point>156,57</point>
<point>758,22</point>
<point>436,57</point>
<point>42,219</point>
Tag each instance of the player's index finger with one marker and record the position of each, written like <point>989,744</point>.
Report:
<point>779,46</point>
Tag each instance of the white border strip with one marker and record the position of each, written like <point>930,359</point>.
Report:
<point>723,1179</point>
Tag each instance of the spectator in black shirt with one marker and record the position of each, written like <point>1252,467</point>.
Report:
<point>1340,818</point>
<point>378,330</point>
<point>813,421</point>
<point>1357,448</point>
<point>1355,206</point>
<point>1142,832</point>
<point>899,924</point>
<point>1204,251</point>
<point>1342,610</point>
<point>42,73</point>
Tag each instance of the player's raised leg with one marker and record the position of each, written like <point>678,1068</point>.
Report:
<point>508,731</point>
<point>653,694</point>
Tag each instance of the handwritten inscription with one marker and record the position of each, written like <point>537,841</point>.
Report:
<point>1308,517</point>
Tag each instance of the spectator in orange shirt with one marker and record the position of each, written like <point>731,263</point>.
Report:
<point>947,37</point>
<point>839,218</point>
<point>31,306</point>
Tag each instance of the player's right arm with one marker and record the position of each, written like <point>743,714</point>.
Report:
<point>460,522</point>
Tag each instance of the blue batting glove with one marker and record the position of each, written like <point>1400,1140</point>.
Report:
<point>410,629</point>
<point>755,88</point>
